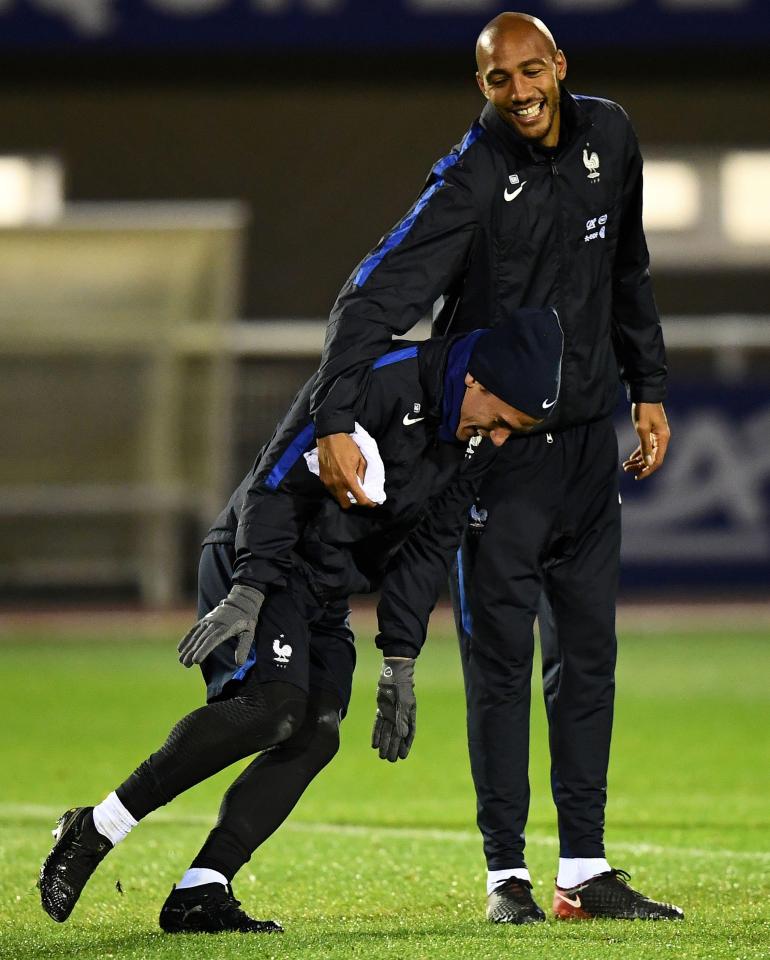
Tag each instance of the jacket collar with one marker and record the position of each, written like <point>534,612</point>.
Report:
<point>458,359</point>
<point>443,363</point>
<point>574,121</point>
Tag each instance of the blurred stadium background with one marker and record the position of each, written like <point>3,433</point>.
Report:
<point>185,184</point>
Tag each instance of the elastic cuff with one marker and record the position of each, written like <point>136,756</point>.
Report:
<point>641,394</point>
<point>246,581</point>
<point>398,650</point>
<point>337,423</point>
<point>511,862</point>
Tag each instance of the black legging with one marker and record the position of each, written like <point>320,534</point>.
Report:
<point>300,735</point>
<point>267,791</point>
<point>258,716</point>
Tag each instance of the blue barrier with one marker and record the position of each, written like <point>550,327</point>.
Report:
<point>703,521</point>
<point>209,26</point>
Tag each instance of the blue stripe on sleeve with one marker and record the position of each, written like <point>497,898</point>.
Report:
<point>404,354</point>
<point>403,227</point>
<point>290,456</point>
<point>465,614</point>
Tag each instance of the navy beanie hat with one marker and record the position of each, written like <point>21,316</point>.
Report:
<point>519,360</point>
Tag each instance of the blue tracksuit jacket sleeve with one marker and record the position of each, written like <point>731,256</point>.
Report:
<point>278,502</point>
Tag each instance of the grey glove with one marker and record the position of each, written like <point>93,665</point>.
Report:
<point>396,717</point>
<point>235,616</point>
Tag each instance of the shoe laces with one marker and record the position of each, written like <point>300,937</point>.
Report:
<point>223,902</point>
<point>517,887</point>
<point>82,855</point>
<point>233,906</point>
<point>623,878</point>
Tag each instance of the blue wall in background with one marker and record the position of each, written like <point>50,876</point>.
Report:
<point>394,25</point>
<point>704,519</point>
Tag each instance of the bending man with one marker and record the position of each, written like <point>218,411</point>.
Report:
<point>276,572</point>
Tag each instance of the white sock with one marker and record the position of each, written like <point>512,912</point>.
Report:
<point>575,870</point>
<point>497,876</point>
<point>112,819</point>
<point>197,876</point>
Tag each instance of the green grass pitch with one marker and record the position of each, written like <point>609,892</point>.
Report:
<point>383,861</point>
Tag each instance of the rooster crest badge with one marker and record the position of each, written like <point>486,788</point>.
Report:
<point>591,162</point>
<point>282,651</point>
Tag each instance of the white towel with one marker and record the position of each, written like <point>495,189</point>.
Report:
<point>374,481</point>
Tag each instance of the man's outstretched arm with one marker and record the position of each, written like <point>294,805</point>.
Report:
<point>388,293</point>
<point>408,595</point>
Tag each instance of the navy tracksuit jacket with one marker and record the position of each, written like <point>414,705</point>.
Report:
<point>281,518</point>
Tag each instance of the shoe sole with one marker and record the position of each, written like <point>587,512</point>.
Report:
<point>176,921</point>
<point>213,933</point>
<point>172,929</point>
<point>515,921</point>
<point>564,911</point>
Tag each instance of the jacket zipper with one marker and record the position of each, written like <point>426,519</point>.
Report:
<point>559,237</point>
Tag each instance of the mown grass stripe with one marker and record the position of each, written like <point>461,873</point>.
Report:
<point>11,811</point>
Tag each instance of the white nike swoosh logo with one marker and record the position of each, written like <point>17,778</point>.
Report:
<point>547,404</point>
<point>408,421</point>
<point>569,900</point>
<point>513,193</point>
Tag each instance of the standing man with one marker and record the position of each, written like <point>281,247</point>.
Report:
<point>539,205</point>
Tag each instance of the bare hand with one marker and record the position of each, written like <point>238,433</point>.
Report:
<point>649,420</point>
<point>342,468</point>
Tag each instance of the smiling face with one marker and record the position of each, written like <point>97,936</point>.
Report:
<point>519,72</point>
<point>483,414</point>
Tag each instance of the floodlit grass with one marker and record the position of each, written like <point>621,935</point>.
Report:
<point>381,860</point>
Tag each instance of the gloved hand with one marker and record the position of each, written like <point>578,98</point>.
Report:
<point>396,718</point>
<point>235,616</point>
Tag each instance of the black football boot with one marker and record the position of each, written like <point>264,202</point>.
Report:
<point>608,896</point>
<point>78,851</point>
<point>512,902</point>
<point>209,908</point>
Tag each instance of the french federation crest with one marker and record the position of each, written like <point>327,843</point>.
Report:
<point>591,162</point>
<point>477,518</point>
<point>282,651</point>
<point>472,446</point>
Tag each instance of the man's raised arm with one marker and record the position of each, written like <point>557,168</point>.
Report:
<point>388,293</point>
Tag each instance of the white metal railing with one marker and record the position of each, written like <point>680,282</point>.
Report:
<point>304,337</point>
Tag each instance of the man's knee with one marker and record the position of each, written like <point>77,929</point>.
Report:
<point>318,737</point>
<point>261,715</point>
<point>286,707</point>
<point>326,735</point>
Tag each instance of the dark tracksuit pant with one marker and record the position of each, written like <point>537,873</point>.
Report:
<point>543,539</point>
